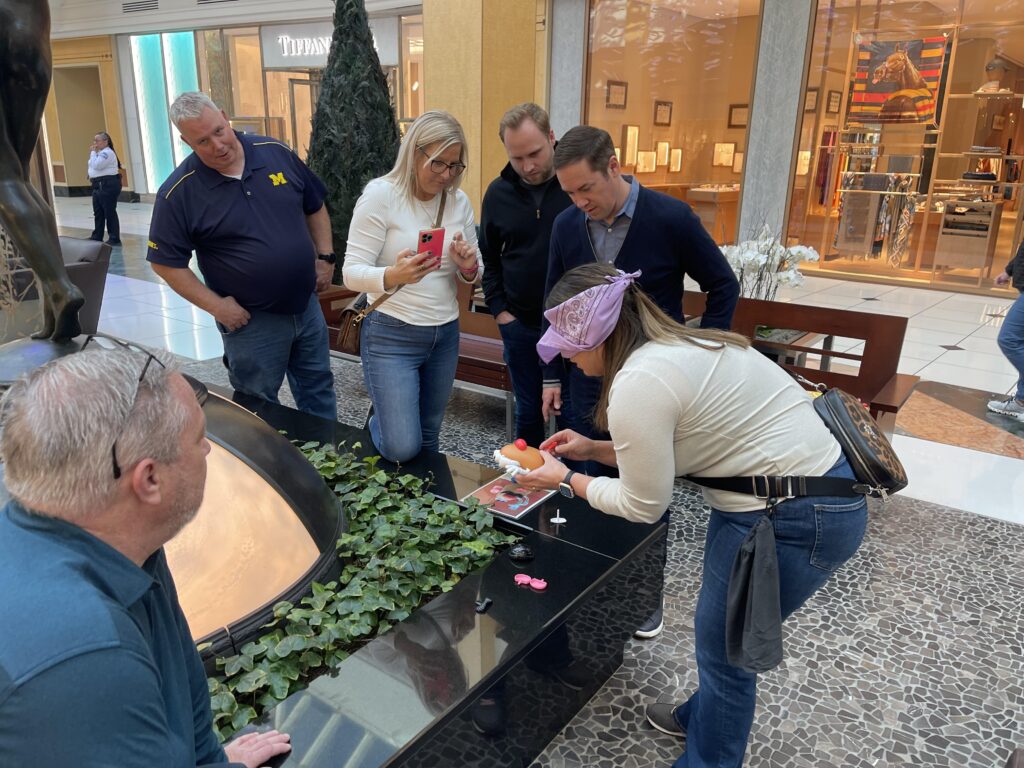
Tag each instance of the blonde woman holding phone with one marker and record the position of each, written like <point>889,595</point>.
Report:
<point>411,240</point>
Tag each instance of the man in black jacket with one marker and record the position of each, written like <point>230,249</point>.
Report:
<point>519,208</point>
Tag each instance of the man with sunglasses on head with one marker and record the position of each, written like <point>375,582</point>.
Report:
<point>104,457</point>
<point>255,216</point>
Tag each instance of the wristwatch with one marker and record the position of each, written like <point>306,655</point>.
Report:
<point>330,258</point>
<point>565,487</point>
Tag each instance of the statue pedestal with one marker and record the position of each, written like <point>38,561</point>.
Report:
<point>23,355</point>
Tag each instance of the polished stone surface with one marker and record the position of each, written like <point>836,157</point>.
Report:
<point>464,688</point>
<point>953,415</point>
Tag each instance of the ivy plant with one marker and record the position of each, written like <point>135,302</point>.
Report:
<point>403,546</point>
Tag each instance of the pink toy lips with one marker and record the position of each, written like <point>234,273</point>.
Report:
<point>523,580</point>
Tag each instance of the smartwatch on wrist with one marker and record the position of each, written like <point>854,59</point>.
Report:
<point>565,487</point>
<point>330,258</point>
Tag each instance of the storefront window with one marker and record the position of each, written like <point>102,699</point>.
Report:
<point>266,78</point>
<point>910,148</point>
<point>164,66</point>
<point>411,49</point>
<point>671,83</point>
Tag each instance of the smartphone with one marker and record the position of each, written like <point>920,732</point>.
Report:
<point>431,241</point>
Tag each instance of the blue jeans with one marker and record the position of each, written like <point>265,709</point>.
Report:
<point>814,535</point>
<point>260,353</point>
<point>524,367</point>
<point>1011,341</point>
<point>409,371</point>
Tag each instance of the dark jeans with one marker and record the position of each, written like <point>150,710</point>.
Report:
<point>814,536</point>
<point>524,367</point>
<point>105,190</point>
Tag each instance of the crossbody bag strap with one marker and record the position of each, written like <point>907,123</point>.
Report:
<point>782,486</point>
<point>368,309</point>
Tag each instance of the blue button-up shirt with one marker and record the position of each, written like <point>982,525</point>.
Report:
<point>97,665</point>
<point>607,238</point>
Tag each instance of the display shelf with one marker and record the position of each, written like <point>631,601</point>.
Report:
<point>967,234</point>
<point>986,96</point>
<point>979,182</point>
<point>993,155</point>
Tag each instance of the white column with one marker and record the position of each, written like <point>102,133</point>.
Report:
<point>568,63</point>
<point>775,112</point>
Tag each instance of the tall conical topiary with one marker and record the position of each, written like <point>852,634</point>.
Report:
<point>355,133</point>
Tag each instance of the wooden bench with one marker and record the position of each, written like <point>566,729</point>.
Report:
<point>870,374</point>
<point>481,359</point>
<point>481,353</point>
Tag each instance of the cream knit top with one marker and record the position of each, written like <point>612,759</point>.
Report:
<point>680,409</point>
<point>384,224</point>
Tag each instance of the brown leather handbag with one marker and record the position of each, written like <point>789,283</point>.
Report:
<point>353,315</point>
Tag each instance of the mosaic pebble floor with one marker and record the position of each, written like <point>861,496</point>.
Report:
<point>913,655</point>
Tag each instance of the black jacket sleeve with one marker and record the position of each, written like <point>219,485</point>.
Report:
<point>704,262</point>
<point>490,244</point>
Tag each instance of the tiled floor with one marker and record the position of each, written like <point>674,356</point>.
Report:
<point>910,656</point>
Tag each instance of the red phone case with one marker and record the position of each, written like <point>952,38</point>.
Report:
<point>431,241</point>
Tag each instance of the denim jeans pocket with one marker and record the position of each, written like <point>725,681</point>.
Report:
<point>224,329</point>
<point>839,530</point>
<point>381,318</point>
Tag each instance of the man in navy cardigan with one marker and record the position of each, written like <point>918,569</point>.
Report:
<point>616,221</point>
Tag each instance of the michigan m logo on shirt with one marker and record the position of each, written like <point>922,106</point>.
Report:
<point>278,178</point>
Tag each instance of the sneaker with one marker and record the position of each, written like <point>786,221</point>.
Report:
<point>488,715</point>
<point>574,676</point>
<point>1008,407</point>
<point>652,627</point>
<point>113,242</point>
<point>663,717</point>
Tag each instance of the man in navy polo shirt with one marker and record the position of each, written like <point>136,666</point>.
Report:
<point>255,216</point>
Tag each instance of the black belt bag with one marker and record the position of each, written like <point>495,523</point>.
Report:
<point>875,464</point>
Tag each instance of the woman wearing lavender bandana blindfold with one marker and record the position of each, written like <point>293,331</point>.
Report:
<point>682,401</point>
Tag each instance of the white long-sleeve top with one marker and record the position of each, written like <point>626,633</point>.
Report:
<point>679,409</point>
<point>102,163</point>
<point>383,225</point>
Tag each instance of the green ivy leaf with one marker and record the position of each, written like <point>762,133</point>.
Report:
<point>250,681</point>
<point>290,644</point>
<point>242,717</point>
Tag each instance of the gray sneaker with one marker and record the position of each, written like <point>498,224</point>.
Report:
<point>1008,407</point>
<point>663,717</point>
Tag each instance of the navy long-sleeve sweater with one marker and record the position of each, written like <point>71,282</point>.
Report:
<point>665,241</point>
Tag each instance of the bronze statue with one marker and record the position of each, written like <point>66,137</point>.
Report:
<point>25,71</point>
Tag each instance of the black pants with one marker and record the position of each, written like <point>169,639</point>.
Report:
<point>105,190</point>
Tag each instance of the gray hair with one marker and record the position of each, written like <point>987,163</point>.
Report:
<point>61,421</point>
<point>190,106</point>
<point>433,128</point>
